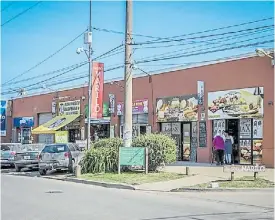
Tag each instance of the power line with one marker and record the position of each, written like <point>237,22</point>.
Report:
<point>7,6</point>
<point>49,57</point>
<point>21,13</point>
<point>200,46</point>
<point>108,52</point>
<point>200,32</point>
<point>46,74</point>
<point>204,36</point>
<point>206,52</point>
<point>223,37</point>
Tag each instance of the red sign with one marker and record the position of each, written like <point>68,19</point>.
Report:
<point>97,90</point>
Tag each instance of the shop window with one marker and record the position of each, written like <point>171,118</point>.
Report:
<point>136,119</point>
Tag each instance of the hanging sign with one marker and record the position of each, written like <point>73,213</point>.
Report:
<point>61,137</point>
<point>69,108</point>
<point>97,90</point>
<point>112,103</point>
<point>200,91</point>
<point>138,107</point>
<point>3,118</point>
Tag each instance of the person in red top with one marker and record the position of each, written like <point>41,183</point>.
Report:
<point>219,147</point>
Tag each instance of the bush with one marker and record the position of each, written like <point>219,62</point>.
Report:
<point>162,149</point>
<point>103,155</point>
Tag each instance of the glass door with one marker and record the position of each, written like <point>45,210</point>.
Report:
<point>186,143</point>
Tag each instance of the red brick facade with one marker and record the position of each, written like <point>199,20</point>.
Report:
<point>241,73</point>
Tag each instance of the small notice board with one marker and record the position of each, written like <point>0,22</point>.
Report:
<point>133,156</point>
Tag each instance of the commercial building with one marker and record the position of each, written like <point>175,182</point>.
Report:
<point>238,96</point>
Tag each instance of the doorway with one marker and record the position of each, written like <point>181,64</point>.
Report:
<point>186,141</point>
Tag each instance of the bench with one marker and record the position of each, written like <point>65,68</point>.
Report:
<point>256,169</point>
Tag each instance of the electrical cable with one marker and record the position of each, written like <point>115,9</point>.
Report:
<point>7,6</point>
<point>206,52</point>
<point>165,38</point>
<point>203,36</point>
<point>49,57</point>
<point>223,37</point>
<point>21,13</point>
<point>45,74</point>
<point>199,46</point>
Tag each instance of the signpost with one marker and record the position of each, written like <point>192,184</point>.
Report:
<point>133,156</point>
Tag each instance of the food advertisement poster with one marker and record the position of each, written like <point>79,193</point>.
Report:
<point>218,127</point>
<point>258,128</point>
<point>179,108</point>
<point>245,128</point>
<point>257,151</point>
<point>138,107</point>
<point>238,103</point>
<point>97,90</point>
<point>245,151</point>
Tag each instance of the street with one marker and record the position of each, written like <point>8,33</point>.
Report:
<point>35,198</point>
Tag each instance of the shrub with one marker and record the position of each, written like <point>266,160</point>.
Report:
<point>162,149</point>
<point>103,155</point>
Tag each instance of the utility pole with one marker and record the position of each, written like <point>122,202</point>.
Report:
<point>128,92</point>
<point>90,80</point>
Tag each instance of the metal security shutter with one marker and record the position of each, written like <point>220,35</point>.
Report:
<point>45,138</point>
<point>137,119</point>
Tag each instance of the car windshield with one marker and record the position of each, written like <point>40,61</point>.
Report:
<point>55,148</point>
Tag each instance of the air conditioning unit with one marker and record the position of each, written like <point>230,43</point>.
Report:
<point>87,37</point>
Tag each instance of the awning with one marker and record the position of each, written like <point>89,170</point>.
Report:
<point>54,124</point>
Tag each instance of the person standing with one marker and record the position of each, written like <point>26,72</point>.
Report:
<point>218,144</point>
<point>228,145</point>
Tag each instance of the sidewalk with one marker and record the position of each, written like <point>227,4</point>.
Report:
<point>199,174</point>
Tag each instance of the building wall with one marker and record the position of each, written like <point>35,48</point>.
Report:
<point>243,73</point>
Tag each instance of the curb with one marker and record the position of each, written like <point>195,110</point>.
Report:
<point>94,183</point>
<point>220,189</point>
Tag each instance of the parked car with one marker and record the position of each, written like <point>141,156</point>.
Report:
<point>58,157</point>
<point>8,152</point>
<point>28,157</point>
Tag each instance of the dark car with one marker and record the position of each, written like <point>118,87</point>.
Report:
<point>8,153</point>
<point>28,157</point>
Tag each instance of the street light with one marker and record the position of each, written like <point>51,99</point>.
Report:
<point>152,90</point>
<point>89,55</point>
<point>262,53</point>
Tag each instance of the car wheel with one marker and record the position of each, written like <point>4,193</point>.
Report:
<point>43,172</point>
<point>17,169</point>
<point>71,168</point>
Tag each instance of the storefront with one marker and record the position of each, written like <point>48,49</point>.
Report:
<point>240,112</point>
<point>67,119</point>
<point>140,120</point>
<point>100,128</point>
<point>22,129</point>
<point>178,118</point>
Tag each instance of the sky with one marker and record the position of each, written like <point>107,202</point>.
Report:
<point>33,36</point>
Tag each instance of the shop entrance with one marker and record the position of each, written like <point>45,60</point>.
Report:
<point>247,134</point>
<point>182,133</point>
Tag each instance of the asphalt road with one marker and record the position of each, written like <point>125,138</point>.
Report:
<point>35,198</point>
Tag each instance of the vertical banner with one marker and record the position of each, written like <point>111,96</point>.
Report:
<point>97,90</point>
<point>3,118</point>
<point>112,103</point>
<point>200,91</point>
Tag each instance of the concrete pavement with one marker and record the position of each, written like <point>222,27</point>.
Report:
<point>37,198</point>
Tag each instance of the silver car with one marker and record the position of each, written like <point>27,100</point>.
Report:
<point>28,157</point>
<point>58,157</point>
<point>8,153</point>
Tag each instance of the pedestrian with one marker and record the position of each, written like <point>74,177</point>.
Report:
<point>228,145</point>
<point>218,144</point>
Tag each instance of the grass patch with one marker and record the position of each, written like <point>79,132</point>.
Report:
<point>243,182</point>
<point>132,178</point>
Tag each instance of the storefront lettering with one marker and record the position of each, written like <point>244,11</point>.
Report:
<point>97,90</point>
